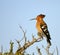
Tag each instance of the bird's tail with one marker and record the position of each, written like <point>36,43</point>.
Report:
<point>48,40</point>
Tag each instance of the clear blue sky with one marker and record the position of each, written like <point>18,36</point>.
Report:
<point>18,12</point>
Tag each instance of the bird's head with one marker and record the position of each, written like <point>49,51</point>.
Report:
<point>39,17</point>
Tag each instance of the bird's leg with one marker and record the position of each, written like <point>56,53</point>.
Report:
<point>40,35</point>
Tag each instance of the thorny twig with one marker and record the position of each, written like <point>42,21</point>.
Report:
<point>19,45</point>
<point>39,52</point>
<point>27,45</point>
<point>24,33</point>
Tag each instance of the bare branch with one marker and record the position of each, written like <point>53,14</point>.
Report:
<point>21,28</point>
<point>11,46</point>
<point>27,45</point>
<point>39,52</point>
<point>47,50</point>
<point>1,49</point>
<point>19,45</point>
<point>24,34</point>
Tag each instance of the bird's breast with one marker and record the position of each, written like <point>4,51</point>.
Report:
<point>38,27</point>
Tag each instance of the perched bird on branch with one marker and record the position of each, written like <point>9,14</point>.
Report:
<point>42,28</point>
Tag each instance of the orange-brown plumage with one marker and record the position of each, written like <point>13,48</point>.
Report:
<point>40,21</point>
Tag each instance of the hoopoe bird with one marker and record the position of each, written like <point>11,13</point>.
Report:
<point>42,28</point>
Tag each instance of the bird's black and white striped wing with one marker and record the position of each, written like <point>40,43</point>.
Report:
<point>46,32</point>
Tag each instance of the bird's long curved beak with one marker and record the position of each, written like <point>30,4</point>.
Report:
<point>32,19</point>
